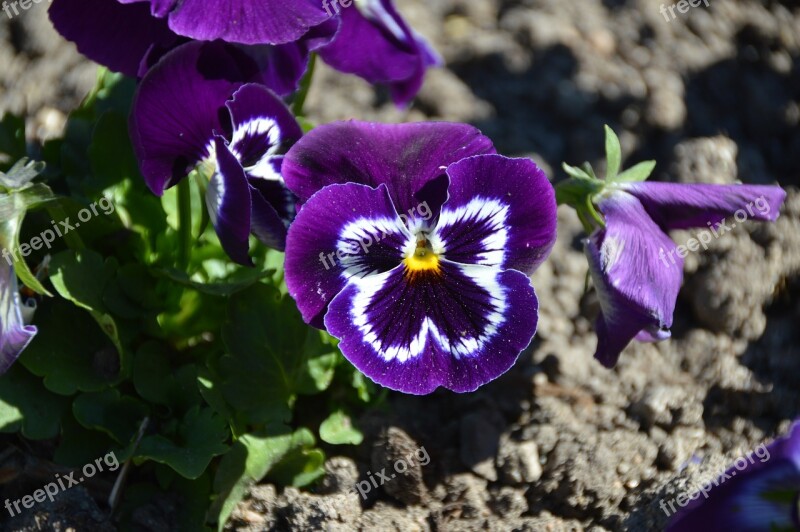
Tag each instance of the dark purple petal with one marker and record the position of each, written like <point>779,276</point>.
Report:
<point>246,21</point>
<point>760,492</point>
<point>501,212</point>
<point>398,56</point>
<point>459,328</point>
<point>229,203</point>
<point>14,334</point>
<point>637,282</point>
<point>342,231</point>
<point>268,223</point>
<point>404,157</point>
<point>115,35</point>
<point>279,67</point>
<point>684,206</point>
<point>179,106</point>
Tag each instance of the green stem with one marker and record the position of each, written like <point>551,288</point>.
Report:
<point>184,224</point>
<point>305,86</point>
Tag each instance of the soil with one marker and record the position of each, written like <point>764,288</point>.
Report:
<point>560,443</point>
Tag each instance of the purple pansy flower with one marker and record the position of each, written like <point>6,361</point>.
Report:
<point>636,267</point>
<point>130,36</point>
<point>761,494</point>
<point>194,108</point>
<point>14,334</point>
<point>413,247</point>
<point>375,43</point>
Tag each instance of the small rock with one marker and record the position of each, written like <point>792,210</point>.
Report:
<point>519,462</point>
<point>400,459</point>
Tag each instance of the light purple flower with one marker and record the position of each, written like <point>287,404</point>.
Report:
<point>14,334</point>
<point>760,492</point>
<point>636,267</point>
<point>375,43</point>
<point>413,247</point>
<point>195,107</point>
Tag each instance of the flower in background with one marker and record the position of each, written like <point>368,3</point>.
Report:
<point>130,36</point>
<point>375,43</point>
<point>637,286</point>
<point>15,335</point>
<point>195,109</point>
<point>413,247</point>
<point>764,495</point>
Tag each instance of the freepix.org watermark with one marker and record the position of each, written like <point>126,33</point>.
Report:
<point>16,5</point>
<point>400,467</point>
<point>62,483</point>
<point>761,452</point>
<point>48,236</point>
<point>705,237</point>
<point>346,252</point>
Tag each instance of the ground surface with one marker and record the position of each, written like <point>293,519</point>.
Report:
<point>559,443</point>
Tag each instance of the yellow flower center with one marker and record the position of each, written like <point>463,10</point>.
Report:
<point>423,260</point>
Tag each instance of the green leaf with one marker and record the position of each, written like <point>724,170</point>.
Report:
<point>272,356</point>
<point>82,277</point>
<point>158,383</point>
<point>299,468</point>
<point>613,154</point>
<point>247,279</point>
<point>575,172</point>
<point>248,462</point>
<point>338,429</point>
<point>199,438</point>
<point>70,351</point>
<point>637,173</point>
<point>79,445</point>
<point>26,406</point>
<point>110,413</point>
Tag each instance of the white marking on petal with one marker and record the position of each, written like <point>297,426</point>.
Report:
<point>357,238</point>
<point>479,211</point>
<point>259,127</point>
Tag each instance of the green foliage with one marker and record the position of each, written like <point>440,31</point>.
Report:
<point>193,368</point>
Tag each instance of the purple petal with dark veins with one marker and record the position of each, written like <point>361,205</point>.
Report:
<point>229,204</point>
<point>762,494</point>
<point>268,224</point>
<point>636,280</point>
<point>342,231</point>
<point>180,104</point>
<point>115,35</point>
<point>404,157</point>
<point>684,206</point>
<point>245,21</point>
<point>501,212</point>
<point>459,328</point>
<point>14,334</point>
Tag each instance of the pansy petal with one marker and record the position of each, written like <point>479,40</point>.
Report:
<point>247,21</point>
<point>404,157</point>
<point>180,104</point>
<point>501,212</point>
<point>762,495</point>
<point>400,56</point>
<point>684,206</point>
<point>229,202</point>
<point>637,282</point>
<point>342,231</point>
<point>459,328</point>
<point>266,223</point>
<point>263,128</point>
<point>14,334</point>
<point>107,32</point>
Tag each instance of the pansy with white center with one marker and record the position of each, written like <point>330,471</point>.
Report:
<point>194,109</point>
<point>418,302</point>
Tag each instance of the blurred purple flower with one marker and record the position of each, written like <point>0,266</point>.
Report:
<point>635,265</point>
<point>762,494</point>
<point>14,334</point>
<point>413,247</point>
<point>199,107</point>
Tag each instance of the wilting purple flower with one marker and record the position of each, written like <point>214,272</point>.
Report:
<point>129,36</point>
<point>413,247</point>
<point>761,492</point>
<point>194,108</point>
<point>14,334</point>
<point>636,267</point>
<point>375,43</point>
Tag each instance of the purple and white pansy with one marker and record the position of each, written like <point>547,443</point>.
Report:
<point>413,247</point>
<point>635,265</point>
<point>15,335</point>
<point>199,108</point>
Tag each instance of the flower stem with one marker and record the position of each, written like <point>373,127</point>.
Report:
<point>184,224</point>
<point>305,86</point>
